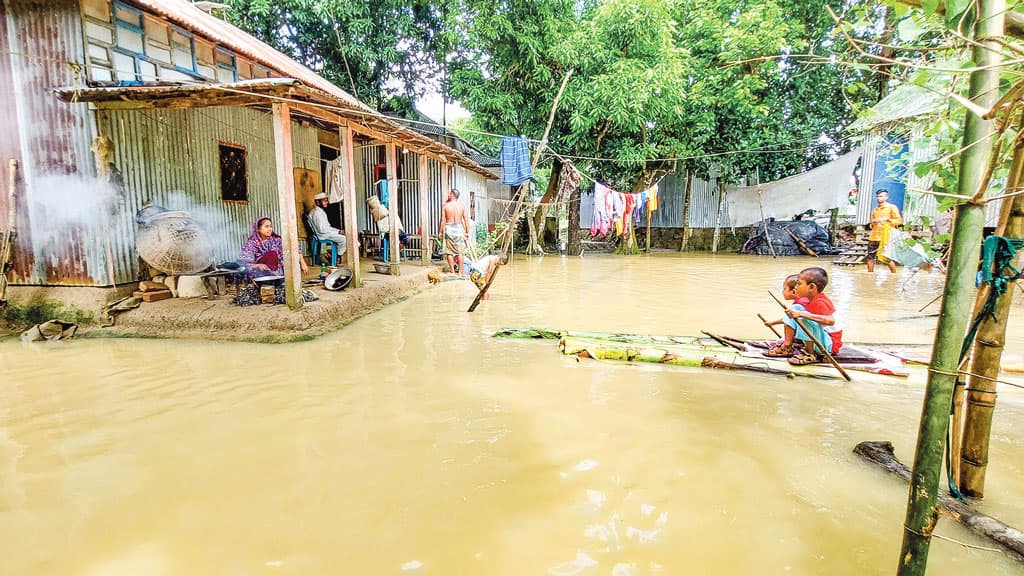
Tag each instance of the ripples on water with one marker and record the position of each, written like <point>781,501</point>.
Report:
<point>409,443</point>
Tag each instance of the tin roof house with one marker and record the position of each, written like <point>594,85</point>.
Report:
<point>193,113</point>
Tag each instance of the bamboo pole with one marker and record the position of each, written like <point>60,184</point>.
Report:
<point>825,351</point>
<point>765,322</point>
<point>426,247</point>
<point>351,210</point>
<point>985,364</point>
<point>686,210</point>
<point>507,243</point>
<point>956,302</point>
<point>286,204</point>
<point>764,221</point>
<point>718,220</point>
<point>7,244</point>
<point>394,245</point>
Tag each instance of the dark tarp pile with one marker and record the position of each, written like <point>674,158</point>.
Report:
<point>781,233</point>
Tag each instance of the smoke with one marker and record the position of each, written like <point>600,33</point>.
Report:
<point>224,236</point>
<point>69,211</point>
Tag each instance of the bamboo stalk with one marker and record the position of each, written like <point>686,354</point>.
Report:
<point>827,353</point>
<point>801,243</point>
<point>7,244</point>
<point>764,221</point>
<point>686,210</point>
<point>956,302</point>
<point>985,365</point>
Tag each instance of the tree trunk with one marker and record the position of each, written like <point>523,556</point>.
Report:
<point>881,454</point>
<point>573,247</point>
<point>686,210</point>
<point>957,296</point>
<point>549,195</point>
<point>985,362</point>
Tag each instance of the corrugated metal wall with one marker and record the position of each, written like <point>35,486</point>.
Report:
<point>468,182</point>
<point>171,158</point>
<point>671,196</point>
<point>43,49</point>
<point>916,203</point>
<point>408,175</point>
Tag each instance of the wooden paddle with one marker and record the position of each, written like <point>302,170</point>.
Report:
<point>824,351</point>
<point>770,327</point>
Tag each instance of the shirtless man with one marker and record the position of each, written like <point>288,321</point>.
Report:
<point>454,230</point>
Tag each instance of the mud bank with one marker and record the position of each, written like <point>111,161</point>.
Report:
<point>221,320</point>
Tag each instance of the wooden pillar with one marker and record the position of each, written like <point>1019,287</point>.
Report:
<point>351,209</point>
<point>445,189</point>
<point>395,248</point>
<point>425,245</point>
<point>286,202</point>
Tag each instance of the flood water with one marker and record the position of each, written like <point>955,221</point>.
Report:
<point>410,443</point>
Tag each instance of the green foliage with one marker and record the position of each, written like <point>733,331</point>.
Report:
<point>22,316</point>
<point>385,52</point>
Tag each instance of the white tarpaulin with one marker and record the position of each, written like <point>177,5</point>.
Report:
<point>823,188</point>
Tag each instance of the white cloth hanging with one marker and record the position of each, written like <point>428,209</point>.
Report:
<point>337,177</point>
<point>821,189</point>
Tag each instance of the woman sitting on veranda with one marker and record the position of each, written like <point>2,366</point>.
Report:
<point>262,253</point>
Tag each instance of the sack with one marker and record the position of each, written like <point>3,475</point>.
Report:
<point>902,249</point>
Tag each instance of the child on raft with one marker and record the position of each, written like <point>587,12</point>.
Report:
<point>818,315</point>
<point>788,293</point>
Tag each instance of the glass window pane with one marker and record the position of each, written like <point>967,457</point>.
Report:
<point>129,16</point>
<point>129,40</point>
<point>181,50</point>
<point>125,66</point>
<point>147,71</point>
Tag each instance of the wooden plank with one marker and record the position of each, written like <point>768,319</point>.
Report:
<point>351,210</point>
<point>394,245</point>
<point>424,227</point>
<point>286,203</point>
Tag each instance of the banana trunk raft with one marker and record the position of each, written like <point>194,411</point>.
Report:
<point>727,353</point>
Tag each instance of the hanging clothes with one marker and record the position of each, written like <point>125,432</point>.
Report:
<point>652,199</point>
<point>599,224</point>
<point>568,183</point>
<point>337,178</point>
<point>515,160</point>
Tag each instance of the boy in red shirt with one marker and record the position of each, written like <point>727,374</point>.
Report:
<point>818,316</point>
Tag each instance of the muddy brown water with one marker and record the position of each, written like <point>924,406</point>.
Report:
<point>411,443</point>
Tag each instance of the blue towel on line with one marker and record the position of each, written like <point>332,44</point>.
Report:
<point>515,160</point>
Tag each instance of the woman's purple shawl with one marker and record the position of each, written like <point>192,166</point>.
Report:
<point>255,247</point>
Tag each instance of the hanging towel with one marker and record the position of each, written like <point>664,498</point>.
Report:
<point>336,187</point>
<point>652,199</point>
<point>515,160</point>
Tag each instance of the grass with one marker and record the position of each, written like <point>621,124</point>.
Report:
<point>20,317</point>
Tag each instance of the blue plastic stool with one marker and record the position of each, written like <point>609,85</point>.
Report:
<point>317,246</point>
<point>386,250</point>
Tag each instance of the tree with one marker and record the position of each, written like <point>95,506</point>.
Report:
<point>385,52</point>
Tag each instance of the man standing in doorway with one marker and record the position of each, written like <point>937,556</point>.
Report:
<point>454,231</point>
<point>883,218</point>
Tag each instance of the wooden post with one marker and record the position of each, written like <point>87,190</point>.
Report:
<point>394,245</point>
<point>573,247</point>
<point>957,294</point>
<point>286,202</point>
<point>985,362</point>
<point>425,244</point>
<point>445,189</point>
<point>764,221</point>
<point>718,220</point>
<point>351,209</point>
<point>686,210</point>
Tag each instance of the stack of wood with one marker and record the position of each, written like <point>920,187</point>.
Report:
<point>858,253</point>
<point>150,291</point>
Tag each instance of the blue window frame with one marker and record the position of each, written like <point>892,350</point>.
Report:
<point>129,36</point>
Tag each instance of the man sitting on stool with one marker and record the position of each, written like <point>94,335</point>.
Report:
<point>321,227</point>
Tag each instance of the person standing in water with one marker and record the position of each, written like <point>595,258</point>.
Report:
<point>882,218</point>
<point>454,231</point>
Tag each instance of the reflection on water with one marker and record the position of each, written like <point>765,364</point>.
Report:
<point>410,443</point>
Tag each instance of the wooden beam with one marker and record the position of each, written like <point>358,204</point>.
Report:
<point>286,202</point>
<point>425,245</point>
<point>351,210</point>
<point>394,244</point>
